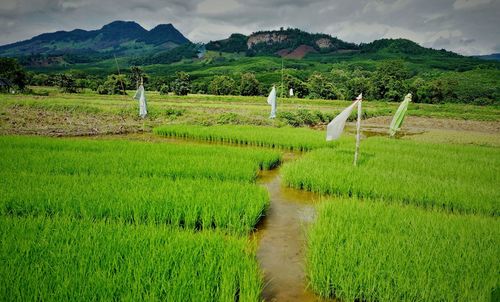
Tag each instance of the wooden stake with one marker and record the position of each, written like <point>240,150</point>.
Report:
<point>358,134</point>
<point>282,87</point>
<point>118,68</point>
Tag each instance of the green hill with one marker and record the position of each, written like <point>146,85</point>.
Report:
<point>115,38</point>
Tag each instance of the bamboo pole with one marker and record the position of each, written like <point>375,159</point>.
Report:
<point>118,68</point>
<point>358,133</point>
<point>282,86</point>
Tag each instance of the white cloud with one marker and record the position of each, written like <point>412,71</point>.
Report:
<point>427,22</point>
<point>466,4</point>
<point>217,6</point>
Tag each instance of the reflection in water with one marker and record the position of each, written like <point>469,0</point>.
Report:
<point>281,236</point>
<point>369,131</point>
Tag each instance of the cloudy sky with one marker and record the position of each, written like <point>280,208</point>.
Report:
<point>464,26</point>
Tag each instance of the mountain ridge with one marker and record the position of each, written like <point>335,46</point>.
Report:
<point>164,44</point>
<point>115,37</point>
<point>295,43</point>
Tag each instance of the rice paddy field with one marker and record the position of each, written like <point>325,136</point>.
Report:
<point>174,211</point>
<point>458,178</point>
<point>133,220</point>
<point>298,139</point>
<point>62,259</point>
<point>370,251</point>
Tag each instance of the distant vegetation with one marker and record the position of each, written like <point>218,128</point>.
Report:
<point>384,69</point>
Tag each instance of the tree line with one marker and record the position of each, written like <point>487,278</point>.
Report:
<point>389,81</point>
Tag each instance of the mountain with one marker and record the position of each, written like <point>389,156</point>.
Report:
<point>164,45</point>
<point>118,37</point>
<point>296,44</point>
<point>493,56</point>
<point>402,47</point>
<point>291,43</point>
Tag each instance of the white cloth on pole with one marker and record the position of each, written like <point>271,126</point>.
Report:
<point>271,100</point>
<point>336,126</point>
<point>399,116</point>
<point>140,95</point>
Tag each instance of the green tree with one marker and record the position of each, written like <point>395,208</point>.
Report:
<point>419,89</point>
<point>321,87</point>
<point>222,85</point>
<point>67,83</point>
<point>40,79</point>
<point>13,72</point>
<point>164,89</point>
<point>156,83</point>
<point>113,85</point>
<point>300,89</point>
<point>200,87</point>
<point>182,83</point>
<point>249,85</point>
<point>357,85</point>
<point>441,90</point>
<point>389,81</point>
<point>136,74</point>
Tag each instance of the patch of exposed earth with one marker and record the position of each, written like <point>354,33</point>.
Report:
<point>420,124</point>
<point>24,120</point>
<point>56,123</point>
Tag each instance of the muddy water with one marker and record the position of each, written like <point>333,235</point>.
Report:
<point>281,233</point>
<point>369,131</point>
<point>281,236</point>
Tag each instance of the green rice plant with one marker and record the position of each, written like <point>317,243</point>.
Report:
<point>188,203</point>
<point>137,159</point>
<point>460,179</point>
<point>300,139</point>
<point>369,251</point>
<point>63,259</point>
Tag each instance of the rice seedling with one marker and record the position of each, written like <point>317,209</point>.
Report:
<point>369,251</point>
<point>460,179</point>
<point>188,203</point>
<point>191,186</point>
<point>63,259</point>
<point>300,139</point>
<point>138,159</point>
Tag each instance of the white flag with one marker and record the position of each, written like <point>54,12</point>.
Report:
<point>271,100</point>
<point>291,91</point>
<point>336,126</point>
<point>141,97</point>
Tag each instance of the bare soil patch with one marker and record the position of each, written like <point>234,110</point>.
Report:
<point>19,120</point>
<point>425,123</point>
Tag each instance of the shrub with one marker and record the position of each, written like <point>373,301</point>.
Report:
<point>182,83</point>
<point>222,85</point>
<point>249,85</point>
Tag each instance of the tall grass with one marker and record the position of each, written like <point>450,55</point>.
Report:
<point>458,178</point>
<point>359,251</point>
<point>67,260</point>
<point>301,139</point>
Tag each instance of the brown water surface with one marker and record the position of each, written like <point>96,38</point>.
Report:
<point>282,241</point>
